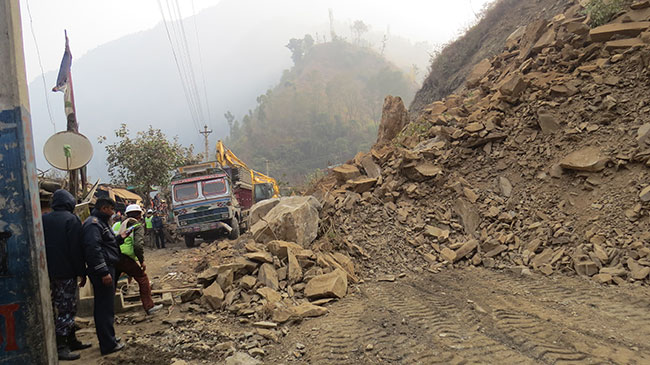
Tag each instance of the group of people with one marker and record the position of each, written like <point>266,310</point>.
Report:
<point>154,226</point>
<point>100,252</point>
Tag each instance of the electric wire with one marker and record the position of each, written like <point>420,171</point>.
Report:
<point>185,77</point>
<point>198,46</point>
<point>190,64</point>
<point>178,66</point>
<point>185,59</point>
<point>186,92</point>
<point>40,64</point>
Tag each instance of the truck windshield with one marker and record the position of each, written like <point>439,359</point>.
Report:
<point>214,187</point>
<point>184,192</point>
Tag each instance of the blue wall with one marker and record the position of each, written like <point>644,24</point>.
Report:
<point>22,255</point>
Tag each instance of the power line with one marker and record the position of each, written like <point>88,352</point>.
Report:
<point>190,65</point>
<point>183,66</point>
<point>178,66</point>
<point>198,46</point>
<point>40,64</point>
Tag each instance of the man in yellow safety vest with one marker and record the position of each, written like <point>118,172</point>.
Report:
<point>132,250</point>
<point>148,225</point>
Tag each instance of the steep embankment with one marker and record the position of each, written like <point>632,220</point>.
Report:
<point>541,163</point>
<point>325,109</point>
<point>485,39</point>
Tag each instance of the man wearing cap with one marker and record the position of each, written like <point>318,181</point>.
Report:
<point>159,230</point>
<point>132,250</point>
<point>102,252</point>
<point>148,225</point>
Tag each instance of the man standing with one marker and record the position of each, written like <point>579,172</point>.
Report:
<point>65,262</point>
<point>131,250</point>
<point>148,225</point>
<point>102,253</point>
<point>158,230</point>
<point>117,222</point>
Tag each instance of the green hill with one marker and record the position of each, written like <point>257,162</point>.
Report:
<point>323,111</point>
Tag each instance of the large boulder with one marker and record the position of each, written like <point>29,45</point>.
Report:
<point>625,30</point>
<point>259,210</point>
<point>293,219</point>
<point>587,159</point>
<point>332,285</point>
<point>394,117</point>
<point>268,276</point>
<point>214,295</point>
<point>479,71</point>
<point>281,248</point>
<point>346,172</point>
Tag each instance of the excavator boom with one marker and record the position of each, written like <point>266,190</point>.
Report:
<point>226,157</point>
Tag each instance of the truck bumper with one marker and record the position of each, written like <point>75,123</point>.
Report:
<point>205,227</point>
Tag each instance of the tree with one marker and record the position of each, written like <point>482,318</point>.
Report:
<point>295,46</point>
<point>358,28</point>
<point>300,47</point>
<point>230,118</point>
<point>146,160</point>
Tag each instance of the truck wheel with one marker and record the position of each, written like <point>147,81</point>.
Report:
<point>234,224</point>
<point>189,240</point>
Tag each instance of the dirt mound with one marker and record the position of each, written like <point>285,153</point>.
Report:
<point>542,163</point>
<point>485,39</point>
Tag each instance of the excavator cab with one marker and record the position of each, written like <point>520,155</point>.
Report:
<point>263,191</point>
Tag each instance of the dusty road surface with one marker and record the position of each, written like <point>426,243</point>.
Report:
<point>476,316</point>
<point>460,316</point>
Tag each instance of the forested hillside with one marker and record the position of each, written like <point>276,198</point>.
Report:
<point>323,111</point>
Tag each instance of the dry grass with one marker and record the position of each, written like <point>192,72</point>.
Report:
<point>484,39</point>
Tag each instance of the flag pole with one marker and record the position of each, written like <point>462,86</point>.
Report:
<point>64,83</point>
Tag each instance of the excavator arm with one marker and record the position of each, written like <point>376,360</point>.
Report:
<point>226,157</point>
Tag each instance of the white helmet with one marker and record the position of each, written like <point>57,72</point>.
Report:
<point>149,211</point>
<point>133,208</point>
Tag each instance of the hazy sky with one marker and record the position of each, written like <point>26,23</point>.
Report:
<point>91,23</point>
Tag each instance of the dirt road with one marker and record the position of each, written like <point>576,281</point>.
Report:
<point>476,316</point>
<point>462,316</point>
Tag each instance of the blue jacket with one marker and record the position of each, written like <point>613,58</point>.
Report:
<point>157,222</point>
<point>62,230</point>
<point>101,246</point>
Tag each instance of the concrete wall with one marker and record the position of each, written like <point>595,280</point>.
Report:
<point>26,323</point>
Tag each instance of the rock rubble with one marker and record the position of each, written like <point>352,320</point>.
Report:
<point>540,161</point>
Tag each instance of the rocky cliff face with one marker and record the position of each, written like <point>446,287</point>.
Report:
<point>485,39</point>
<point>540,162</point>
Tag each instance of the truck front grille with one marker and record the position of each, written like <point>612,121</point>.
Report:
<point>210,215</point>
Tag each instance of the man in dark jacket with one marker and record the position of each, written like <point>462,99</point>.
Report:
<point>102,251</point>
<point>65,262</point>
<point>159,230</point>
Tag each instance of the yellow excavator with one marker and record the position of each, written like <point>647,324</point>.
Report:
<point>264,187</point>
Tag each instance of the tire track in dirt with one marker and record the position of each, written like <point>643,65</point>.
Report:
<point>558,335</point>
<point>626,312</point>
<point>449,326</point>
<point>476,316</point>
<point>338,345</point>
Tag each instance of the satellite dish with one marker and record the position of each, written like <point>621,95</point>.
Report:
<point>68,150</point>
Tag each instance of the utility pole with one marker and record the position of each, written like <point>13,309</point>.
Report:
<point>206,132</point>
<point>26,323</point>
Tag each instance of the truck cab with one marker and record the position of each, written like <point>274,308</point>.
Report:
<point>205,203</point>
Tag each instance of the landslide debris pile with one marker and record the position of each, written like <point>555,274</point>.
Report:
<point>540,163</point>
<point>264,280</point>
